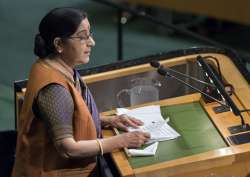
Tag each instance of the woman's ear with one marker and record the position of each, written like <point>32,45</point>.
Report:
<point>58,44</point>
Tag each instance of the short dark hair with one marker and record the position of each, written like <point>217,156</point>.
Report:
<point>59,22</point>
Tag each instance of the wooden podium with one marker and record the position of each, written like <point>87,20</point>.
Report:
<point>203,150</point>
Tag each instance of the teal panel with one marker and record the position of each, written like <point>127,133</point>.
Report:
<point>198,135</point>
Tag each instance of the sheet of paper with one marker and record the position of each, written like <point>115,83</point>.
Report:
<point>159,131</point>
<point>146,114</point>
<point>154,123</point>
<point>148,151</point>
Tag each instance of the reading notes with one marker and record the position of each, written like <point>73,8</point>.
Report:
<point>154,124</point>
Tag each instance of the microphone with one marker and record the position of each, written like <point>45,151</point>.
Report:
<point>156,64</point>
<point>164,71</point>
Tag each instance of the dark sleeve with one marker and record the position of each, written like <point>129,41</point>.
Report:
<point>55,106</point>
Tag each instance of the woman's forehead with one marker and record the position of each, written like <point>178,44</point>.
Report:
<point>84,26</point>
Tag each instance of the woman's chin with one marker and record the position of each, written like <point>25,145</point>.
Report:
<point>84,61</point>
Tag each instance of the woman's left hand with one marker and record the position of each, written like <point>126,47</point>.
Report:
<point>123,121</point>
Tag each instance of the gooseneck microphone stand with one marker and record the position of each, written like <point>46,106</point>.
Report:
<point>166,72</point>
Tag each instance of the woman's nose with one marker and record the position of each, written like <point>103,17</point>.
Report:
<point>91,42</point>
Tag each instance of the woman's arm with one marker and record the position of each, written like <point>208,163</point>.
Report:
<point>69,148</point>
<point>55,107</point>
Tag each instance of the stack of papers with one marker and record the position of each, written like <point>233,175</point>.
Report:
<point>154,124</point>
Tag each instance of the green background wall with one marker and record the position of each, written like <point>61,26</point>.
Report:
<point>19,23</point>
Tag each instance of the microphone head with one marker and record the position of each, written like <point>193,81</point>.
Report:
<point>162,71</point>
<point>155,64</point>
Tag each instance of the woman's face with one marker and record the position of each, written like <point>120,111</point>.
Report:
<point>77,48</point>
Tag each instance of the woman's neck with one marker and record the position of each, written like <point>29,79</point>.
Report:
<point>69,68</point>
<point>66,65</point>
<point>60,65</point>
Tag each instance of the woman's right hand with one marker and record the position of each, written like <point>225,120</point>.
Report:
<point>134,139</point>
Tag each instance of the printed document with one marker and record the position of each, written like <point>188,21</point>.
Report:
<point>154,123</point>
